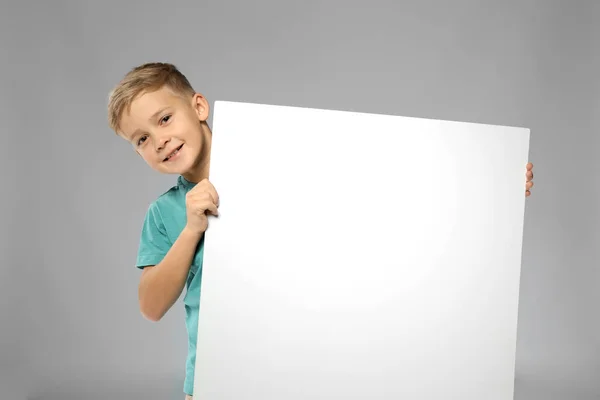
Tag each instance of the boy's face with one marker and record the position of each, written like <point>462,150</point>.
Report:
<point>167,131</point>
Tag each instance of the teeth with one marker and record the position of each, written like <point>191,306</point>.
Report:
<point>172,154</point>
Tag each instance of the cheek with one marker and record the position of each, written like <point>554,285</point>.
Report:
<point>190,131</point>
<point>147,157</point>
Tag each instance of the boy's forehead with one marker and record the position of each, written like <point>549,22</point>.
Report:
<point>148,103</point>
<point>145,107</point>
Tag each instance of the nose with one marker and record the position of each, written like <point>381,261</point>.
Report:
<point>161,143</point>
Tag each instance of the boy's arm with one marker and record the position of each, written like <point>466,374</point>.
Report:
<point>165,265</point>
<point>161,285</point>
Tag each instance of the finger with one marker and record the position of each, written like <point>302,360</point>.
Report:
<point>211,196</point>
<point>206,186</point>
<point>213,192</point>
<point>529,166</point>
<point>214,195</point>
<point>212,209</point>
<point>201,186</point>
<point>527,193</point>
<point>205,202</point>
<point>529,185</point>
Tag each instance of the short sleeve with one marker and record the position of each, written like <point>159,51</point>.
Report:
<point>154,243</point>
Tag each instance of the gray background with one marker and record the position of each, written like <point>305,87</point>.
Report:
<point>74,195</point>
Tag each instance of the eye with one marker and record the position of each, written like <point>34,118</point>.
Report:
<point>165,119</point>
<point>141,140</point>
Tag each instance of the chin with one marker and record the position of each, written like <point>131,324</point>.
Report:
<point>173,169</point>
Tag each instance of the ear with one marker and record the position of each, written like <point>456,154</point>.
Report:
<point>201,107</point>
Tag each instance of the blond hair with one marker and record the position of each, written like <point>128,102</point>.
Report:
<point>145,78</point>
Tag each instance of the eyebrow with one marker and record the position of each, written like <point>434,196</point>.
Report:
<point>160,111</point>
<point>152,117</point>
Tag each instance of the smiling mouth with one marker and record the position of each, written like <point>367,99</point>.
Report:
<point>173,153</point>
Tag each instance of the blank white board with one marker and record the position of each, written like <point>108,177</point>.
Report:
<point>360,256</point>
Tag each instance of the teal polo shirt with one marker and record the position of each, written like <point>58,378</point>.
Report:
<point>164,221</point>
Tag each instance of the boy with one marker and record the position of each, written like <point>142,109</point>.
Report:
<point>158,112</point>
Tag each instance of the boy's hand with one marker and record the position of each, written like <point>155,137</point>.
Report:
<point>529,180</point>
<point>199,202</point>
